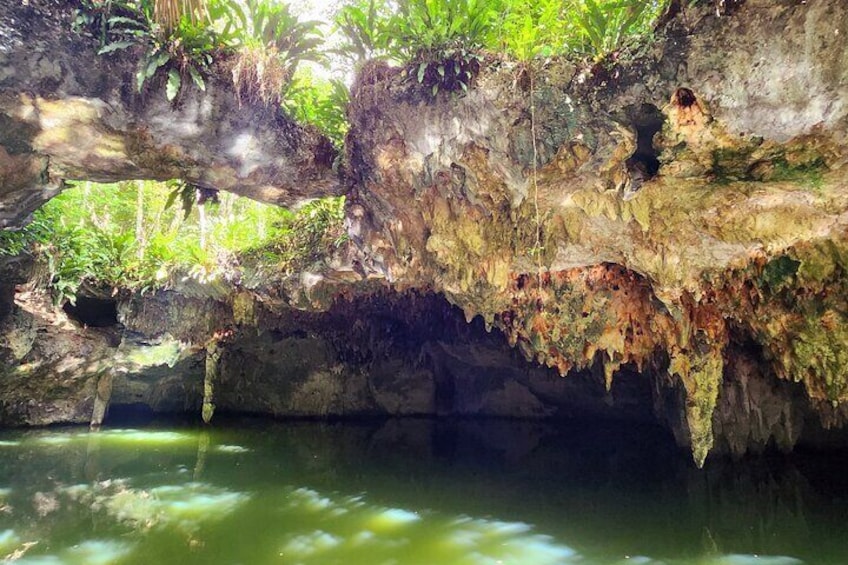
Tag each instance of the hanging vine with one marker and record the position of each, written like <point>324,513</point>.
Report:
<point>537,246</point>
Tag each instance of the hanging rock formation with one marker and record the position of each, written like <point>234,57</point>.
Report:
<point>739,237</point>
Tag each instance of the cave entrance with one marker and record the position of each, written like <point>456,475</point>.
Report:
<point>647,120</point>
<point>93,312</point>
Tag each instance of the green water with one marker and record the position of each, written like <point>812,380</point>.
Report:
<point>407,492</point>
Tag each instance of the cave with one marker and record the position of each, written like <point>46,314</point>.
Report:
<point>93,311</point>
<point>583,303</point>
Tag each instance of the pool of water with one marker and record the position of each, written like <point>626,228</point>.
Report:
<point>408,492</point>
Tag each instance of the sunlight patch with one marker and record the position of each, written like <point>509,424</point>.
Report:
<point>148,437</point>
<point>740,559</point>
<point>186,506</point>
<point>310,544</point>
<point>231,449</point>
<point>311,500</point>
<point>54,440</point>
<point>97,552</point>
<point>327,534</point>
<point>392,519</point>
<point>8,540</point>
<point>196,502</point>
<point>91,552</point>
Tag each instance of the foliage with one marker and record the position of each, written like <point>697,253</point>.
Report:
<point>364,30</point>
<point>320,102</point>
<point>604,25</point>
<point>273,43</point>
<point>423,29</point>
<point>16,242</point>
<point>527,30</point>
<point>108,235</point>
<point>441,41</point>
<point>182,42</point>
<point>181,49</point>
<point>184,51</point>
<point>314,228</point>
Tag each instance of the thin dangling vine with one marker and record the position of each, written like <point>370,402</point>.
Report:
<point>537,247</point>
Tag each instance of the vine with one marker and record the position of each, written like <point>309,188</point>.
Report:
<point>537,246</point>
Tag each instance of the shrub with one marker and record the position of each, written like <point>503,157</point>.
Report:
<point>320,102</point>
<point>274,43</point>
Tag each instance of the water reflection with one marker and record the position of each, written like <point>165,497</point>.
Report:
<point>407,492</point>
<point>334,529</point>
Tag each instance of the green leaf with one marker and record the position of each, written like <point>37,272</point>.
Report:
<point>122,20</point>
<point>115,47</point>
<point>198,80</point>
<point>172,196</point>
<point>140,77</point>
<point>422,68</point>
<point>154,63</point>
<point>173,86</point>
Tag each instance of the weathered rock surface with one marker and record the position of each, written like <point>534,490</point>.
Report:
<point>539,218</point>
<point>669,232</point>
<point>384,355</point>
<point>68,113</point>
<point>363,358</point>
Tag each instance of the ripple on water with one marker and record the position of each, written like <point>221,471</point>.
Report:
<point>146,437</point>
<point>381,534</point>
<point>740,559</point>
<point>8,540</point>
<point>89,552</point>
<point>231,449</point>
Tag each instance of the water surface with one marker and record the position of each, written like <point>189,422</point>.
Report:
<point>408,492</point>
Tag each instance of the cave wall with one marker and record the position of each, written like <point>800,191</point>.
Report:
<point>559,240</point>
<point>387,354</point>
<point>380,356</point>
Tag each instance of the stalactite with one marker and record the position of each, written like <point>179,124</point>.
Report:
<point>213,356</point>
<point>101,400</point>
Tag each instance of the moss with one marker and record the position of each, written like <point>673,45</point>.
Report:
<point>807,172</point>
<point>820,356</point>
<point>167,352</point>
<point>822,261</point>
<point>244,309</point>
<point>779,272</point>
